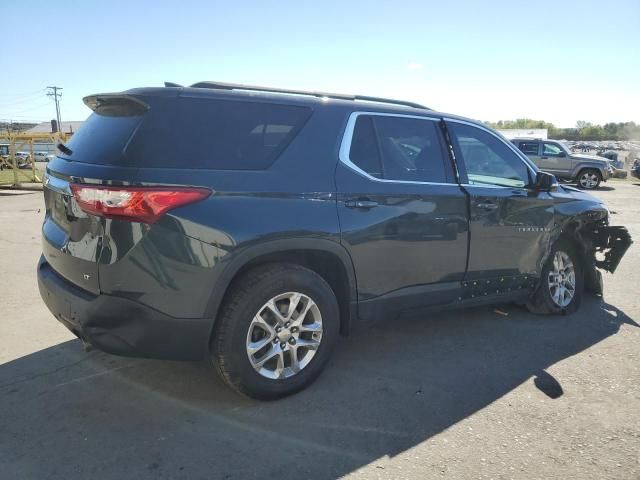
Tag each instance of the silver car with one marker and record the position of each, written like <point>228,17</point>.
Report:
<point>555,157</point>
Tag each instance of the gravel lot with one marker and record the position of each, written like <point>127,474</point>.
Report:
<point>467,394</point>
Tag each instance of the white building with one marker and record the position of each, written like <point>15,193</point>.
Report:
<point>45,127</point>
<point>524,132</point>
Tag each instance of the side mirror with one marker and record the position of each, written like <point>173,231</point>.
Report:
<point>545,182</point>
<point>562,154</point>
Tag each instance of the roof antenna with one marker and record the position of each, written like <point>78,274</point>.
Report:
<point>171,84</point>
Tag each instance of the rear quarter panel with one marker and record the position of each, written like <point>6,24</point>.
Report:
<point>176,265</point>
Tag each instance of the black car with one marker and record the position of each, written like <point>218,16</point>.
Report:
<point>255,226</point>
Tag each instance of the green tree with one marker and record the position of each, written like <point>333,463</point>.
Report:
<point>581,125</point>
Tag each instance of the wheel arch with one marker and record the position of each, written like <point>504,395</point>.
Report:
<point>327,258</point>
<point>576,233</point>
<point>577,171</point>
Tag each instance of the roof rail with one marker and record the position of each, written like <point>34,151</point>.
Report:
<point>338,96</point>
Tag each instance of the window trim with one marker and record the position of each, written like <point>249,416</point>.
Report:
<point>345,146</point>
<point>510,145</point>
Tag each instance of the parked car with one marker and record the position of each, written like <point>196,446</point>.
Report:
<point>635,169</point>
<point>40,156</point>
<point>609,155</point>
<point>615,162</point>
<point>254,226</point>
<point>554,157</point>
<point>21,158</point>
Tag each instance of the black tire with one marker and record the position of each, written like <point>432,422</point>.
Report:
<point>248,295</point>
<point>541,301</point>
<point>593,280</point>
<point>589,174</point>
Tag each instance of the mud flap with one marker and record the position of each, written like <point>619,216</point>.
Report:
<point>611,242</point>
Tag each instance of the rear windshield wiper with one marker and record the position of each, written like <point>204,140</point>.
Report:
<point>64,149</point>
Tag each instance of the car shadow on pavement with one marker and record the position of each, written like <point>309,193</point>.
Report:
<point>70,414</point>
<point>14,193</point>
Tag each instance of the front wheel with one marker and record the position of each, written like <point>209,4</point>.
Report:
<point>276,331</point>
<point>561,283</point>
<point>589,179</point>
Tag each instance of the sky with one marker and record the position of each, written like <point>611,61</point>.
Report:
<point>559,61</point>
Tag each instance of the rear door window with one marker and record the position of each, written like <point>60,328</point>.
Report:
<point>398,148</point>
<point>528,148</point>
<point>411,149</point>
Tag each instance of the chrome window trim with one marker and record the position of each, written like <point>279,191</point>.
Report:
<point>509,145</point>
<point>489,185</point>
<point>345,146</point>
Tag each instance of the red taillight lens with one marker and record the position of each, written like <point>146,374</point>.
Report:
<point>134,204</point>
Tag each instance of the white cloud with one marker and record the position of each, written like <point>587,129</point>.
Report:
<point>413,66</point>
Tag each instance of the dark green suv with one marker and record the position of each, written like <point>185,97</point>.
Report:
<point>254,226</point>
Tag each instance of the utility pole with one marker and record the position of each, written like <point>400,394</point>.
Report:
<point>55,93</point>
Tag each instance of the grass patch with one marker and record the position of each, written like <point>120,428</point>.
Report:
<point>24,176</point>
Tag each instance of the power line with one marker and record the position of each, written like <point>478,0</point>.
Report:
<point>16,101</point>
<point>30,108</point>
<point>54,92</point>
<point>22,120</point>
<point>23,94</point>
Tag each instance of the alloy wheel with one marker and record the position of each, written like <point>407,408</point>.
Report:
<point>284,335</point>
<point>562,279</point>
<point>589,180</point>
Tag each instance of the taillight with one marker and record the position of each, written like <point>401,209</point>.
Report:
<point>134,204</point>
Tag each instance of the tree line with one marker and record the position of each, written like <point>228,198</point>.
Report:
<point>582,131</point>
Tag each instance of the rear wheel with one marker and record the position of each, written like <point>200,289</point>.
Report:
<point>561,283</point>
<point>276,331</point>
<point>589,179</point>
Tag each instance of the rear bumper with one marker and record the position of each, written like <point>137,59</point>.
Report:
<point>120,326</point>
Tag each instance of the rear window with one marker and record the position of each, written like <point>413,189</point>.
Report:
<point>101,139</point>
<point>192,133</point>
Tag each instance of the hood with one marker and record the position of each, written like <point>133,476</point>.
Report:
<point>591,158</point>
<point>571,202</point>
<point>579,194</point>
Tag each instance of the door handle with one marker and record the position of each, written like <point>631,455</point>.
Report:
<point>487,205</point>
<point>545,158</point>
<point>360,203</point>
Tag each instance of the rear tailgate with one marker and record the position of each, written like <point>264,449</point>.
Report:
<point>70,238</point>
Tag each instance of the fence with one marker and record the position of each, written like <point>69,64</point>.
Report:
<point>18,163</point>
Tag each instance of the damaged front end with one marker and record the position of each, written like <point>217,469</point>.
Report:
<point>585,220</point>
<point>610,243</point>
<point>603,246</point>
